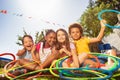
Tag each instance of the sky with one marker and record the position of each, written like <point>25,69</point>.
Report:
<point>35,16</point>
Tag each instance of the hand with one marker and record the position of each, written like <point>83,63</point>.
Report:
<point>103,22</point>
<point>65,51</point>
<point>33,49</point>
<point>21,52</point>
<point>61,50</point>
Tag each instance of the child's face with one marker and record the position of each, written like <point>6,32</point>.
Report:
<point>50,38</point>
<point>28,43</point>
<point>75,33</point>
<point>61,36</point>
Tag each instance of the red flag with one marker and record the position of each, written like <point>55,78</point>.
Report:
<point>4,11</point>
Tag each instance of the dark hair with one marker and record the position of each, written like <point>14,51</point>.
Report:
<point>49,31</point>
<point>26,36</point>
<point>76,25</point>
<point>67,43</point>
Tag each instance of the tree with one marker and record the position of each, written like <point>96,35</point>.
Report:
<point>39,36</point>
<point>89,19</point>
<point>91,4</point>
<point>19,42</point>
<point>115,4</point>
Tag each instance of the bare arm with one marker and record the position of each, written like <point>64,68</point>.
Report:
<point>101,33</point>
<point>21,52</point>
<point>53,56</point>
<point>35,54</point>
<point>75,58</point>
<point>72,53</point>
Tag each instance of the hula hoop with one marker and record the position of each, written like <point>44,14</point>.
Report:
<point>116,63</point>
<point>103,11</point>
<point>8,54</point>
<point>5,59</point>
<point>68,73</point>
<point>13,68</point>
<point>85,70</point>
<point>114,67</point>
<point>6,71</point>
<point>101,73</point>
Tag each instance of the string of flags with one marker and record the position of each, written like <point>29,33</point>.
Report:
<point>3,11</point>
<point>30,17</point>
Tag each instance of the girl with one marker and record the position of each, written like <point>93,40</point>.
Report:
<point>64,47</point>
<point>42,53</point>
<point>44,49</point>
<point>26,54</point>
<point>29,48</point>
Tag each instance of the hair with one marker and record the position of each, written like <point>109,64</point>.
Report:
<point>29,36</point>
<point>49,31</point>
<point>76,25</point>
<point>67,43</point>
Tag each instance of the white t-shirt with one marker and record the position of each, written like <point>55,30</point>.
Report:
<point>27,55</point>
<point>44,52</point>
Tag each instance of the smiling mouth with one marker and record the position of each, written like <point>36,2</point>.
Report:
<point>29,46</point>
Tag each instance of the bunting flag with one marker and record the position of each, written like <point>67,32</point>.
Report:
<point>3,11</point>
<point>30,17</point>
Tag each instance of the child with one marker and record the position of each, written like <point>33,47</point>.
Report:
<point>82,42</point>
<point>26,54</point>
<point>76,32</point>
<point>64,48</point>
<point>44,49</point>
<point>42,53</point>
<point>29,47</point>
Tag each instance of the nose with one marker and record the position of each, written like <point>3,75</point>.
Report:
<point>53,39</point>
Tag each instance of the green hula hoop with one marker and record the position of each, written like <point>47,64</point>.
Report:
<point>83,69</point>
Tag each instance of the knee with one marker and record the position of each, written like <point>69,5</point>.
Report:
<point>83,55</point>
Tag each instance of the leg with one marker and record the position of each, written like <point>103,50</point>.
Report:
<point>111,52</point>
<point>53,56</point>
<point>29,65</point>
<point>82,57</point>
<point>65,65</point>
<point>91,63</point>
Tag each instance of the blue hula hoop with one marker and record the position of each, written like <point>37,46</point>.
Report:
<point>103,11</point>
<point>65,72</point>
<point>5,59</point>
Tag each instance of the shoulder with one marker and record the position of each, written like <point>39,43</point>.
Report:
<point>38,46</point>
<point>72,45</point>
<point>86,38</point>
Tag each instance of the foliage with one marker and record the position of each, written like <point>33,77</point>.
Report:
<point>19,42</point>
<point>89,19</point>
<point>114,4</point>
<point>39,36</point>
<point>91,24</point>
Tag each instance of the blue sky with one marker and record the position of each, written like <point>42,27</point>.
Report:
<point>35,14</point>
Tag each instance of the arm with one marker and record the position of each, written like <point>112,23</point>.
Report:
<point>21,52</point>
<point>53,56</point>
<point>35,54</point>
<point>75,58</point>
<point>72,53</point>
<point>101,33</point>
